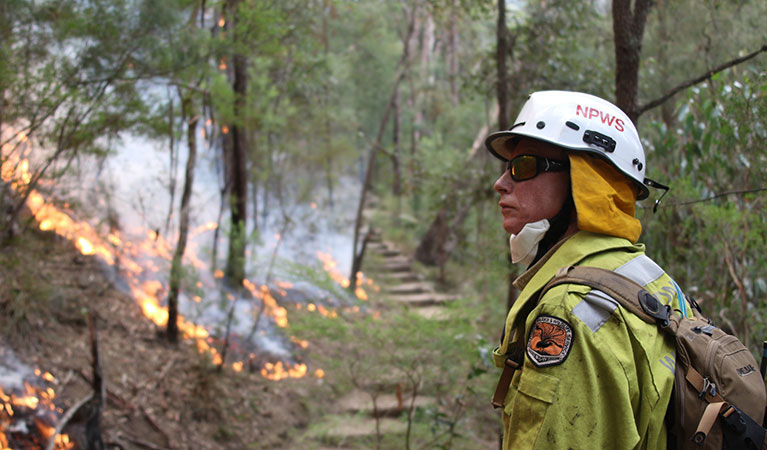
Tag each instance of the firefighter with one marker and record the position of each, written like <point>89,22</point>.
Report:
<point>580,371</point>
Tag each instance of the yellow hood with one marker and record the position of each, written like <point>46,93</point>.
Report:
<point>604,198</point>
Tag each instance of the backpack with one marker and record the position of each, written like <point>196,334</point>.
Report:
<point>719,395</point>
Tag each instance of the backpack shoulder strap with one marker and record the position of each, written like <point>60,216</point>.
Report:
<point>624,290</point>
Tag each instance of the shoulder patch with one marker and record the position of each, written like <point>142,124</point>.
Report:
<point>550,341</point>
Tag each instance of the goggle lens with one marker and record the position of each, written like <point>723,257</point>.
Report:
<point>525,167</point>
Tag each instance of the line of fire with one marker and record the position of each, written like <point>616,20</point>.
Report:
<point>141,259</point>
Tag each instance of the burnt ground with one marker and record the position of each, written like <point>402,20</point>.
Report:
<point>158,395</point>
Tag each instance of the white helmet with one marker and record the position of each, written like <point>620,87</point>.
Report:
<point>579,122</point>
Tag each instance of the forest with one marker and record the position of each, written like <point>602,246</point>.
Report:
<point>231,224</point>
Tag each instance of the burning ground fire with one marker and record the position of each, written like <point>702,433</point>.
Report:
<point>331,267</point>
<point>30,407</point>
<point>137,258</point>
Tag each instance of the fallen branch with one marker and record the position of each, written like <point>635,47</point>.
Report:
<point>663,98</point>
<point>65,420</point>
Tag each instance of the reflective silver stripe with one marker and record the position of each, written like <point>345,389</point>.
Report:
<point>595,309</point>
<point>641,269</point>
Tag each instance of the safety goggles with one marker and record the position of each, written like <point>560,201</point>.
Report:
<point>525,167</point>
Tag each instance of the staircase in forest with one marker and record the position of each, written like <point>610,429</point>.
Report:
<point>351,421</point>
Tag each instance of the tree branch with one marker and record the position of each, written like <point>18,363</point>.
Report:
<point>712,197</point>
<point>662,99</point>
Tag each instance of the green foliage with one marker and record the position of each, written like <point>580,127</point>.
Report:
<point>376,352</point>
<point>710,246</point>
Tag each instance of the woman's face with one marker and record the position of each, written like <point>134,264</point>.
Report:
<point>537,198</point>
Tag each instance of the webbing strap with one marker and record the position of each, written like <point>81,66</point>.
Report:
<point>707,420</point>
<point>621,288</point>
<point>509,367</point>
<point>699,383</point>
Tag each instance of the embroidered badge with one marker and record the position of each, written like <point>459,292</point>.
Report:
<point>550,341</point>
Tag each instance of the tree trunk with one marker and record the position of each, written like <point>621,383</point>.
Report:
<point>502,52</point>
<point>500,58</point>
<point>667,109</point>
<point>176,271</point>
<point>173,175</point>
<point>453,53</point>
<point>327,135</point>
<point>628,30</point>
<point>235,262</point>
<point>397,183</point>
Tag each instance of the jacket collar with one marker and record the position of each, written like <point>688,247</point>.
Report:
<point>567,252</point>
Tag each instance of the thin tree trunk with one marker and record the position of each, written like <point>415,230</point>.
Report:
<point>667,111</point>
<point>235,263</point>
<point>397,183</point>
<point>328,161</point>
<point>183,229</point>
<point>502,52</point>
<point>227,333</point>
<point>628,30</point>
<point>453,53</point>
<point>500,57</point>
<point>173,163</point>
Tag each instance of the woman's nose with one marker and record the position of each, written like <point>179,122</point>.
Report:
<point>503,184</point>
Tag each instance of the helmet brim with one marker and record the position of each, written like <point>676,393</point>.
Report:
<point>497,144</point>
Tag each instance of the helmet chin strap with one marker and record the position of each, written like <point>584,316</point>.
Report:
<point>559,224</point>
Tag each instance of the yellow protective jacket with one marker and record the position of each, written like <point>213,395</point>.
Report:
<point>594,375</point>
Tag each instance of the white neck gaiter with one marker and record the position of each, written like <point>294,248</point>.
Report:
<point>524,245</point>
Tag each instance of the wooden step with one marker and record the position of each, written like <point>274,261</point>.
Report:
<point>400,277</point>
<point>390,260</point>
<point>413,287</point>
<point>423,299</point>
<point>380,249</point>
<point>394,267</point>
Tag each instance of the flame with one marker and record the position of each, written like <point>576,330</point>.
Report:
<point>36,404</point>
<point>319,373</point>
<point>203,228</point>
<point>278,371</point>
<point>330,266</point>
<point>221,22</point>
<point>284,284</point>
<point>271,308</point>
<point>300,342</point>
<point>137,259</point>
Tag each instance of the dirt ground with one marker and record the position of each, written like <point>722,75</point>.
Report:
<point>158,395</point>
